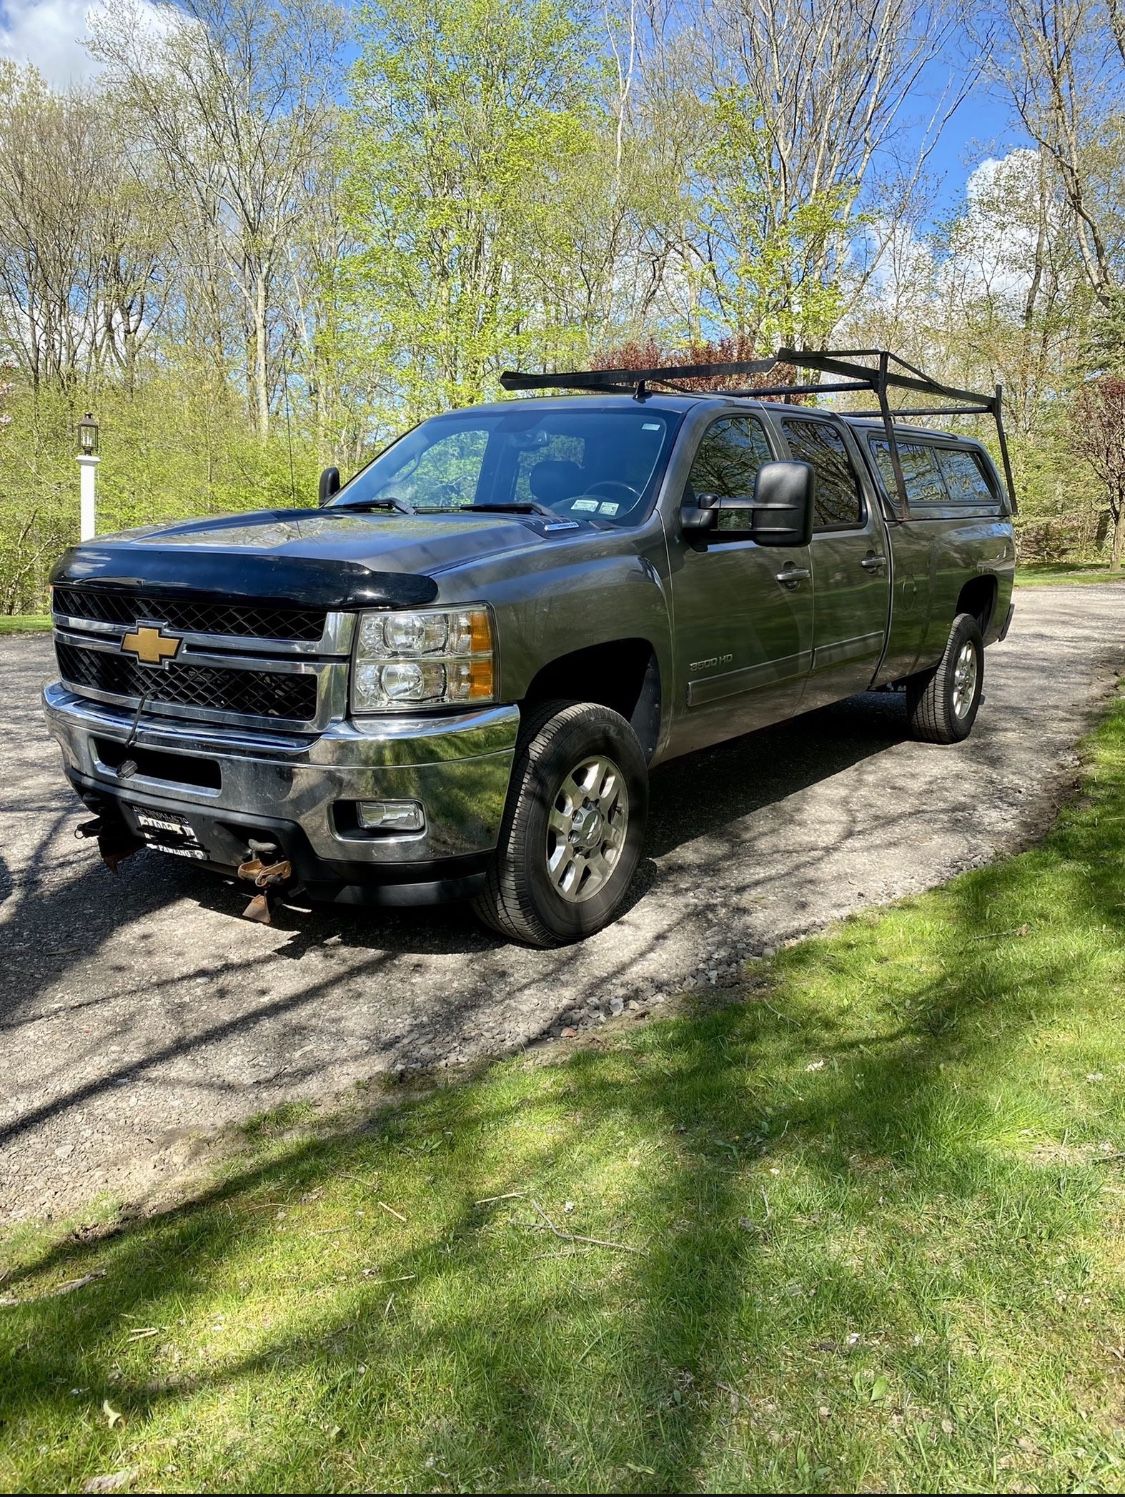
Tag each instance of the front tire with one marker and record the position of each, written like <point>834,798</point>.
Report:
<point>942,704</point>
<point>573,826</point>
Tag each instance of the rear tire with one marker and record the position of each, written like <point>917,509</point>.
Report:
<point>942,703</point>
<point>573,826</point>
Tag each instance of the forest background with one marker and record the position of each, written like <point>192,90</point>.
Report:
<point>255,237</point>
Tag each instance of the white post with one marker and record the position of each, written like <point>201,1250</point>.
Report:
<point>86,525</point>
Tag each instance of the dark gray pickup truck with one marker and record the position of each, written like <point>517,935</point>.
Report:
<point>454,677</point>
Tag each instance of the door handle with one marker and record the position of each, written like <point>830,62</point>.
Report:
<point>873,563</point>
<point>793,576</point>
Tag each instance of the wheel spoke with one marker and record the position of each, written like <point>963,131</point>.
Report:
<point>573,793</point>
<point>611,789</point>
<point>560,822</point>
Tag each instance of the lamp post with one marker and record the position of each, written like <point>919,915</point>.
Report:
<point>87,463</point>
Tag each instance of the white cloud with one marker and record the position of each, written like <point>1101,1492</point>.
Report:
<point>51,35</point>
<point>993,249</point>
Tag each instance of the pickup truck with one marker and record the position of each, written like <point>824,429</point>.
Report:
<point>453,677</point>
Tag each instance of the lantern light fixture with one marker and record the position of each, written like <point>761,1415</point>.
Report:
<point>88,436</point>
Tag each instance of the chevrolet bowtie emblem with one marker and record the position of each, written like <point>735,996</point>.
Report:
<point>151,646</point>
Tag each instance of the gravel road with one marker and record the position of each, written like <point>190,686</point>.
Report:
<point>140,1011</point>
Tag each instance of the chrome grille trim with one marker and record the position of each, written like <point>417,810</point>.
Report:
<point>336,639</point>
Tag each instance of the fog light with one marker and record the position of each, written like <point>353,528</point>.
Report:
<point>391,815</point>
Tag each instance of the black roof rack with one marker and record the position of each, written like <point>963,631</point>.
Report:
<point>879,378</point>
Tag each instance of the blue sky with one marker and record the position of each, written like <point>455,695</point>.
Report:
<point>982,127</point>
<point>48,33</point>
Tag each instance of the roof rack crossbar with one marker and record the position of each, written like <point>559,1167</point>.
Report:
<point>753,392</point>
<point>515,379</point>
<point>925,410</point>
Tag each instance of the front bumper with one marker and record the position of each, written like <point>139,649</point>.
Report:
<point>233,783</point>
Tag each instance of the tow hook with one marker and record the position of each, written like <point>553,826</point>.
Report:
<point>115,841</point>
<point>270,874</point>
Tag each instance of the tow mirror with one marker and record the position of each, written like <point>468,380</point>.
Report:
<point>783,504</point>
<point>778,513</point>
<point>329,485</point>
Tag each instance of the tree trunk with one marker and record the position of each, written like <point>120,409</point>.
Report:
<point>1118,535</point>
<point>261,374</point>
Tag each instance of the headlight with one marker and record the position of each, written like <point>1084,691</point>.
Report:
<point>427,658</point>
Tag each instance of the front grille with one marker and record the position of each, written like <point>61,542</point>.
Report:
<point>126,606</point>
<point>279,694</point>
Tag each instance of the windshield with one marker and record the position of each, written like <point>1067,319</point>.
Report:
<point>584,464</point>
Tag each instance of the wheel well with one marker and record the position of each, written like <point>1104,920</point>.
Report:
<point>622,675</point>
<point>978,597</point>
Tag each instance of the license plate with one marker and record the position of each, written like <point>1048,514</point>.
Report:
<point>167,832</point>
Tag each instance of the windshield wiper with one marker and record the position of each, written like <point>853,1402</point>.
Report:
<point>402,506</point>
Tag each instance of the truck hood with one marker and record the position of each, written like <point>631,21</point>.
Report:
<point>329,558</point>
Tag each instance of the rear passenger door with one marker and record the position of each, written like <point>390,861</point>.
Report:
<point>851,572</point>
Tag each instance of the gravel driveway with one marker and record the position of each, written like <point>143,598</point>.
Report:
<point>139,1010</point>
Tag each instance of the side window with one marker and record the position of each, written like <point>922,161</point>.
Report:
<point>965,478</point>
<point>838,503</point>
<point>919,469</point>
<point>727,463</point>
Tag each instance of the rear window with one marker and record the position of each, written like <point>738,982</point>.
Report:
<point>965,477</point>
<point>936,477</point>
<point>919,471</point>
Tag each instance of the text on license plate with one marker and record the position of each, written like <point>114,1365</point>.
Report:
<point>167,832</point>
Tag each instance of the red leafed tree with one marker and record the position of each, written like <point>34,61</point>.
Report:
<point>734,350</point>
<point>1099,437</point>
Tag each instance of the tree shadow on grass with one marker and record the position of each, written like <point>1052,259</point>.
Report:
<point>471,1370</point>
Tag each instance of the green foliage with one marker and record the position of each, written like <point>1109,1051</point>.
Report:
<point>857,1224</point>
<point>170,449</point>
<point>773,279</point>
<point>467,124</point>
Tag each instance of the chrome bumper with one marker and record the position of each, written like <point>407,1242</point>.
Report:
<point>458,767</point>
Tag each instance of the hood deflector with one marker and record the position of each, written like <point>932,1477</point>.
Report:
<point>279,581</point>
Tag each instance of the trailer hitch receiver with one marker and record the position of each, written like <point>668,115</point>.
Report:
<point>270,873</point>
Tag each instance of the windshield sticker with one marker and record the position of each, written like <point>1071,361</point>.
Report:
<point>651,426</point>
<point>588,504</point>
<point>609,509</point>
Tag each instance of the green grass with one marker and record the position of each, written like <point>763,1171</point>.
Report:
<point>867,1224</point>
<point>20,623</point>
<point>1066,574</point>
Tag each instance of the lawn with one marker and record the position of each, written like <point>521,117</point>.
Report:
<point>854,1225</point>
<point>1065,574</point>
<point>20,623</point>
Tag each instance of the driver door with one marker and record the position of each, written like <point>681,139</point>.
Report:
<point>743,612</point>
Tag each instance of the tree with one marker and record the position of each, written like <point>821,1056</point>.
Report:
<point>800,173</point>
<point>467,122</point>
<point>1062,63</point>
<point>1099,437</point>
<point>235,97</point>
<point>83,251</point>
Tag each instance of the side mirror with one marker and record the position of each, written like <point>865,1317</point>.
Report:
<point>783,504</point>
<point>778,513</point>
<point>329,485</point>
